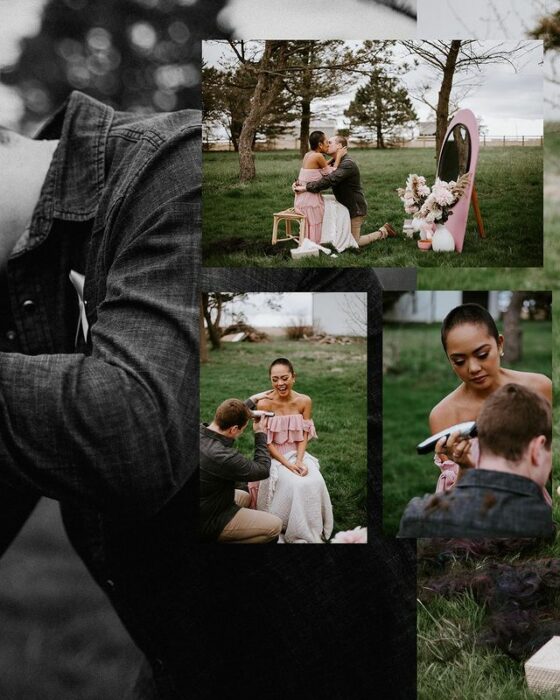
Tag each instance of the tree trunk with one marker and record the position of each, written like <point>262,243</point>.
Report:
<point>304,127</point>
<point>306,91</point>
<point>266,91</point>
<point>513,335</point>
<point>213,330</point>
<point>442,112</point>
<point>202,334</point>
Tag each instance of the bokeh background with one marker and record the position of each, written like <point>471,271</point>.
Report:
<point>139,55</point>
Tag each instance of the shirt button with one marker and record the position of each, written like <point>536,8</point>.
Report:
<point>110,583</point>
<point>28,306</point>
<point>11,335</point>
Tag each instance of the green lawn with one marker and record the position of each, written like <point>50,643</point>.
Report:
<point>419,376</point>
<point>237,221</point>
<point>335,378</point>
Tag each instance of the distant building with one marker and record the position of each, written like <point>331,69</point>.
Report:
<point>433,307</point>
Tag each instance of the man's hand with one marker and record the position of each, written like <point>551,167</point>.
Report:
<point>298,188</point>
<point>342,151</point>
<point>258,426</point>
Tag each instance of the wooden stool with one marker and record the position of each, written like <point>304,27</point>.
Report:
<point>289,215</point>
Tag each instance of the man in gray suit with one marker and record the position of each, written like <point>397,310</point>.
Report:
<point>346,185</point>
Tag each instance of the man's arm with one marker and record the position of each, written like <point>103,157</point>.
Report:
<point>116,429</point>
<point>343,172</point>
<point>240,468</point>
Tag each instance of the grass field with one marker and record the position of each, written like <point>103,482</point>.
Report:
<point>237,220</point>
<point>335,378</point>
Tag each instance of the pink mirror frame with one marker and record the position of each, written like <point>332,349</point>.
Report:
<point>457,222</point>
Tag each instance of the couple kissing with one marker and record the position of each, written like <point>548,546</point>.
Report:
<point>336,220</point>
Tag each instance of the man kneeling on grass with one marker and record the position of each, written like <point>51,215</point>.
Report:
<point>505,495</point>
<point>224,512</point>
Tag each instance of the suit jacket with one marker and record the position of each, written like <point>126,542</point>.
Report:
<point>346,186</point>
<point>483,503</point>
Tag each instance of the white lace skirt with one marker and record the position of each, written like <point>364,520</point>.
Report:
<point>302,502</point>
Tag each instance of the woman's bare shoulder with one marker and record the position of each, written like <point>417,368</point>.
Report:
<point>539,383</point>
<point>303,399</point>
<point>445,413</point>
<point>312,159</point>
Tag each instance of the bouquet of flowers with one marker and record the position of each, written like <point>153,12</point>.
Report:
<point>432,205</point>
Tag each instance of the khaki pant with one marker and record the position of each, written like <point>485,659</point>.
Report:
<point>250,526</point>
<point>356,227</point>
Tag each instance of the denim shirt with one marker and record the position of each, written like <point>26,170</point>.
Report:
<point>484,503</point>
<point>107,423</point>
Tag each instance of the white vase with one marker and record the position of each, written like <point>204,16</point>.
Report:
<point>442,240</point>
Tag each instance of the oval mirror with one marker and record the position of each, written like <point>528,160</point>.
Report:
<point>455,157</point>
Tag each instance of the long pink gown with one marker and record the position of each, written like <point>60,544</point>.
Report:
<point>311,204</point>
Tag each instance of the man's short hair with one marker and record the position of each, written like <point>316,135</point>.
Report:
<point>342,140</point>
<point>231,412</point>
<point>510,418</point>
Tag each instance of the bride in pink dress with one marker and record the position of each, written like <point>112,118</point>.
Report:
<point>295,491</point>
<point>328,221</point>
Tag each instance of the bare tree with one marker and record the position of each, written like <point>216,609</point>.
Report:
<point>267,88</point>
<point>463,58</point>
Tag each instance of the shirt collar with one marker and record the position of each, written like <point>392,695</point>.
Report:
<point>75,179</point>
<point>205,431</point>
<point>506,481</point>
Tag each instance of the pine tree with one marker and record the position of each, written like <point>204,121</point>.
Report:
<point>381,107</point>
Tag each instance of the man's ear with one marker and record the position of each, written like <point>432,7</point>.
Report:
<point>537,449</point>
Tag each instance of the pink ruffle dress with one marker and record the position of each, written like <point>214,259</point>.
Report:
<point>311,204</point>
<point>284,432</point>
<point>302,502</point>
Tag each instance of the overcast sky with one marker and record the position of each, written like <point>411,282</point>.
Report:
<point>480,19</point>
<point>295,307</point>
<point>510,103</point>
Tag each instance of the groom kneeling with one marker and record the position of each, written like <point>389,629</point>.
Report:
<point>224,512</point>
<point>347,188</point>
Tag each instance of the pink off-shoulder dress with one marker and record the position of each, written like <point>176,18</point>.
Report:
<point>302,502</point>
<point>328,221</point>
